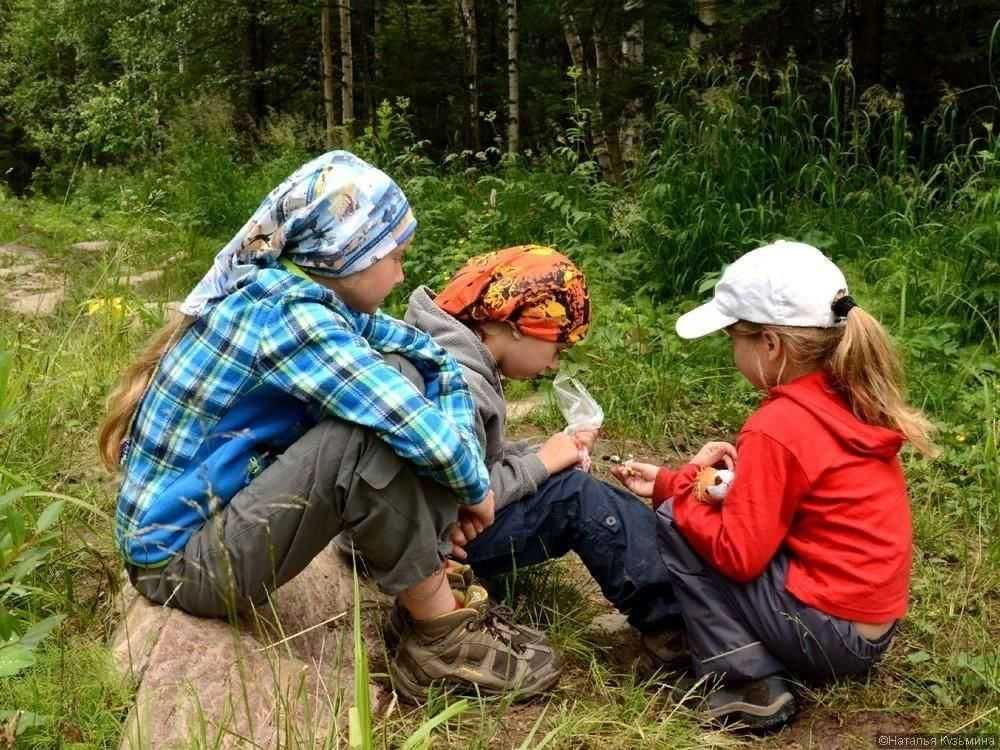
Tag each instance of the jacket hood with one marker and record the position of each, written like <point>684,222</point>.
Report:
<point>459,340</point>
<point>816,393</point>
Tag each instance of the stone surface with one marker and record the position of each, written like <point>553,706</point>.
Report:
<point>92,246</point>
<point>136,279</point>
<point>14,253</point>
<point>282,679</point>
<point>519,410</point>
<point>612,623</point>
<point>28,287</point>
<point>33,296</point>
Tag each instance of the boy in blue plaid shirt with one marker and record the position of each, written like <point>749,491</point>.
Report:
<point>265,421</point>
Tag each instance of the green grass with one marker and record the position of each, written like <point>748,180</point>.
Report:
<point>728,168</point>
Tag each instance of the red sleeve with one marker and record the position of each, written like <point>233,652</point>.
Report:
<point>739,537</point>
<point>671,483</point>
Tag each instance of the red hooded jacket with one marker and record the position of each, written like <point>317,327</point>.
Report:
<point>812,477</point>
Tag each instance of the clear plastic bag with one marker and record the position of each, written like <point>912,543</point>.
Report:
<point>578,407</point>
<point>580,411</point>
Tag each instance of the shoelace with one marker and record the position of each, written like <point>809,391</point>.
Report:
<point>498,621</point>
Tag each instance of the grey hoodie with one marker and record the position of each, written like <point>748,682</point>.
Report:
<point>515,469</point>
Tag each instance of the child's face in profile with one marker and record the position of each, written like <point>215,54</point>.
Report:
<point>528,357</point>
<point>366,290</point>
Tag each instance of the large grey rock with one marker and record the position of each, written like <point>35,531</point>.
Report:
<point>146,277</point>
<point>31,292</point>
<point>95,247</point>
<point>28,287</point>
<point>282,679</point>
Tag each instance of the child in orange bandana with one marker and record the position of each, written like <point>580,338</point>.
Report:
<point>509,314</point>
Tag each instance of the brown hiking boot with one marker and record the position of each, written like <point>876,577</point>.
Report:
<point>474,650</point>
<point>665,650</point>
<point>460,579</point>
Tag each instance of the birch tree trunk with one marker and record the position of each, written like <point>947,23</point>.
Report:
<point>376,59</point>
<point>707,15</point>
<point>329,104</point>
<point>347,68</point>
<point>513,81</point>
<point>470,37</point>
<point>612,167</point>
<point>633,54</point>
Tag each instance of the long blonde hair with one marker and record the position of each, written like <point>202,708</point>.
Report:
<point>125,397</point>
<point>865,366</point>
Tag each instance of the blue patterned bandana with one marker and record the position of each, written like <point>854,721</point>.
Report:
<point>335,216</point>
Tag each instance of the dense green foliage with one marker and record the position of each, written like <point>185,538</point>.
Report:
<point>732,160</point>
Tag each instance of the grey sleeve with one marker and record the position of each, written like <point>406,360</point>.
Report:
<point>516,475</point>
<point>521,447</point>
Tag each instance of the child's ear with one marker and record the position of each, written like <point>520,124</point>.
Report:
<point>772,342</point>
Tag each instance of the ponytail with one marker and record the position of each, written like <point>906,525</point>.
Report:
<point>124,399</point>
<point>866,366</point>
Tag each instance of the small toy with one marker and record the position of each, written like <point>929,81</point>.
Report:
<point>625,463</point>
<point>711,485</point>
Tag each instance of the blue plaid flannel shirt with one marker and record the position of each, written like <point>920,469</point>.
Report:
<point>260,368</point>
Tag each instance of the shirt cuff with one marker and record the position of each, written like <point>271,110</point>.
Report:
<point>668,483</point>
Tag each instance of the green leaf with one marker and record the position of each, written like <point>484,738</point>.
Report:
<point>6,624</point>
<point>37,632</point>
<point>13,658</point>
<point>25,720</point>
<point>15,525</point>
<point>361,713</point>
<point>8,497</point>
<point>49,516</point>
<point>423,732</point>
<point>918,657</point>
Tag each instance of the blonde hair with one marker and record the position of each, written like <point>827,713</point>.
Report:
<point>864,365</point>
<point>124,399</point>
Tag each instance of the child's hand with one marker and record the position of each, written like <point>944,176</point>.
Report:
<point>639,478</point>
<point>472,521</point>
<point>559,452</point>
<point>586,439</point>
<point>719,453</point>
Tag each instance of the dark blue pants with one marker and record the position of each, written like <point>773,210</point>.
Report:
<point>612,531</point>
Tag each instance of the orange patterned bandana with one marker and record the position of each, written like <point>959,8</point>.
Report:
<point>540,291</point>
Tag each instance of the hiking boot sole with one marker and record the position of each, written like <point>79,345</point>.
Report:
<point>756,717</point>
<point>417,693</point>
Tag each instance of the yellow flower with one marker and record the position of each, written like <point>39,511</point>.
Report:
<point>110,306</point>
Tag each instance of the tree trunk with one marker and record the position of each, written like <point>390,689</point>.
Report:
<point>470,36</point>
<point>706,15</point>
<point>329,104</point>
<point>347,69</point>
<point>867,19</point>
<point>578,55</point>
<point>607,129</point>
<point>633,54</point>
<point>253,55</point>
<point>376,59</point>
<point>513,81</point>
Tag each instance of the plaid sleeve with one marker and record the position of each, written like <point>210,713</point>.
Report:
<point>307,350</point>
<point>444,384</point>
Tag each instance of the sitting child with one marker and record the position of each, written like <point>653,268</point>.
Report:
<point>266,420</point>
<point>510,314</point>
<point>804,568</point>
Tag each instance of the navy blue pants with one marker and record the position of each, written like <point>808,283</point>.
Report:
<point>612,531</point>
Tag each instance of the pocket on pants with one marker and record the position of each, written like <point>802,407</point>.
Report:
<point>379,465</point>
<point>605,525</point>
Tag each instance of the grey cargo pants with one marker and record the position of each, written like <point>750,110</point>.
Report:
<point>755,630</point>
<point>338,476</point>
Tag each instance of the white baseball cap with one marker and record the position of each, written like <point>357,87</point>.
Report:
<point>785,283</point>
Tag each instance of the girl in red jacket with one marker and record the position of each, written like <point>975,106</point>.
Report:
<point>804,568</point>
